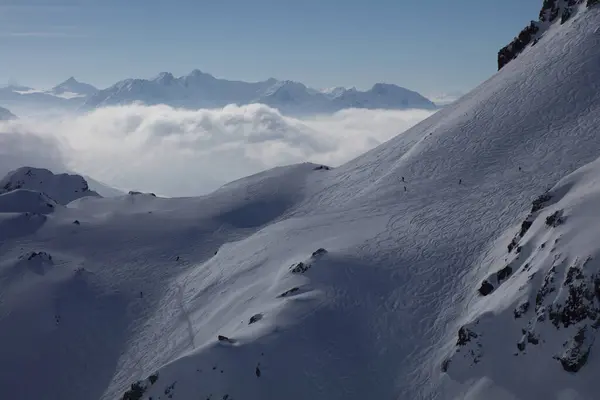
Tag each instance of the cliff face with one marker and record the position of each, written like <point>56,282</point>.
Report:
<point>551,11</point>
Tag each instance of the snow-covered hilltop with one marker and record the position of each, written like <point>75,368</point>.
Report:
<point>63,188</point>
<point>456,261</point>
<point>6,115</point>
<point>199,89</point>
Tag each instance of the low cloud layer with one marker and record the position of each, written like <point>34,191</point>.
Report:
<point>180,152</point>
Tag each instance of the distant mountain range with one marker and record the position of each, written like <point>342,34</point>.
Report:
<point>202,90</point>
<point>69,95</point>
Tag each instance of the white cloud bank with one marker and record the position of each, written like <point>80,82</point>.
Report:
<point>181,152</point>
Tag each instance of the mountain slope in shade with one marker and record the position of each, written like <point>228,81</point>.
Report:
<point>199,89</point>
<point>363,281</point>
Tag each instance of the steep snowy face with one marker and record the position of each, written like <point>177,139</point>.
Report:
<point>6,115</point>
<point>552,11</point>
<point>62,188</point>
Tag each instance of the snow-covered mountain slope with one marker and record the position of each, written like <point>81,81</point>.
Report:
<point>72,88</point>
<point>62,188</point>
<point>26,201</point>
<point>364,281</point>
<point>6,115</point>
<point>539,304</point>
<point>199,89</point>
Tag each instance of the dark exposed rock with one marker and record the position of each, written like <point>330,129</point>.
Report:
<point>521,309</point>
<point>486,288</point>
<point>555,218</point>
<point>288,292</point>
<point>577,350</point>
<point>322,167</point>
<point>579,303</point>
<point>547,288</point>
<point>135,393</point>
<point>257,371</point>
<point>255,318</point>
<point>76,222</point>
<point>566,14</point>
<point>510,52</point>
<point>135,193</point>
<point>137,390</point>
<point>153,378</point>
<point>319,252</point>
<point>551,10</point>
<point>513,243</point>
<point>465,335</point>
<point>225,339</point>
<point>525,227</point>
<point>299,268</point>
<point>503,274</point>
<point>446,364</point>
<point>41,254</point>
<point>531,338</point>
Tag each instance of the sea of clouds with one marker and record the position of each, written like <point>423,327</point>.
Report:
<point>175,152</point>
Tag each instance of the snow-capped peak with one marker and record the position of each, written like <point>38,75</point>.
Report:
<point>74,87</point>
<point>63,188</point>
<point>164,77</point>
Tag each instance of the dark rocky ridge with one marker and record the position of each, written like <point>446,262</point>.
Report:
<point>550,12</point>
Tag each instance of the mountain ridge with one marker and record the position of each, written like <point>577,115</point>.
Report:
<point>199,89</point>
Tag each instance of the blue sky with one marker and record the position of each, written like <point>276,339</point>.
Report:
<point>427,45</point>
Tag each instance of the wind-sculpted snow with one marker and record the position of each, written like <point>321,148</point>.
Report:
<point>354,282</point>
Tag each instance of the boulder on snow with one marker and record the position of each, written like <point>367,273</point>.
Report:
<point>225,339</point>
<point>486,288</point>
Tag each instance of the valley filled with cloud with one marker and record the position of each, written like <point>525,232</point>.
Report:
<point>177,152</point>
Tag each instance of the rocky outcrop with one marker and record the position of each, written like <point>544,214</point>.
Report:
<point>550,13</point>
